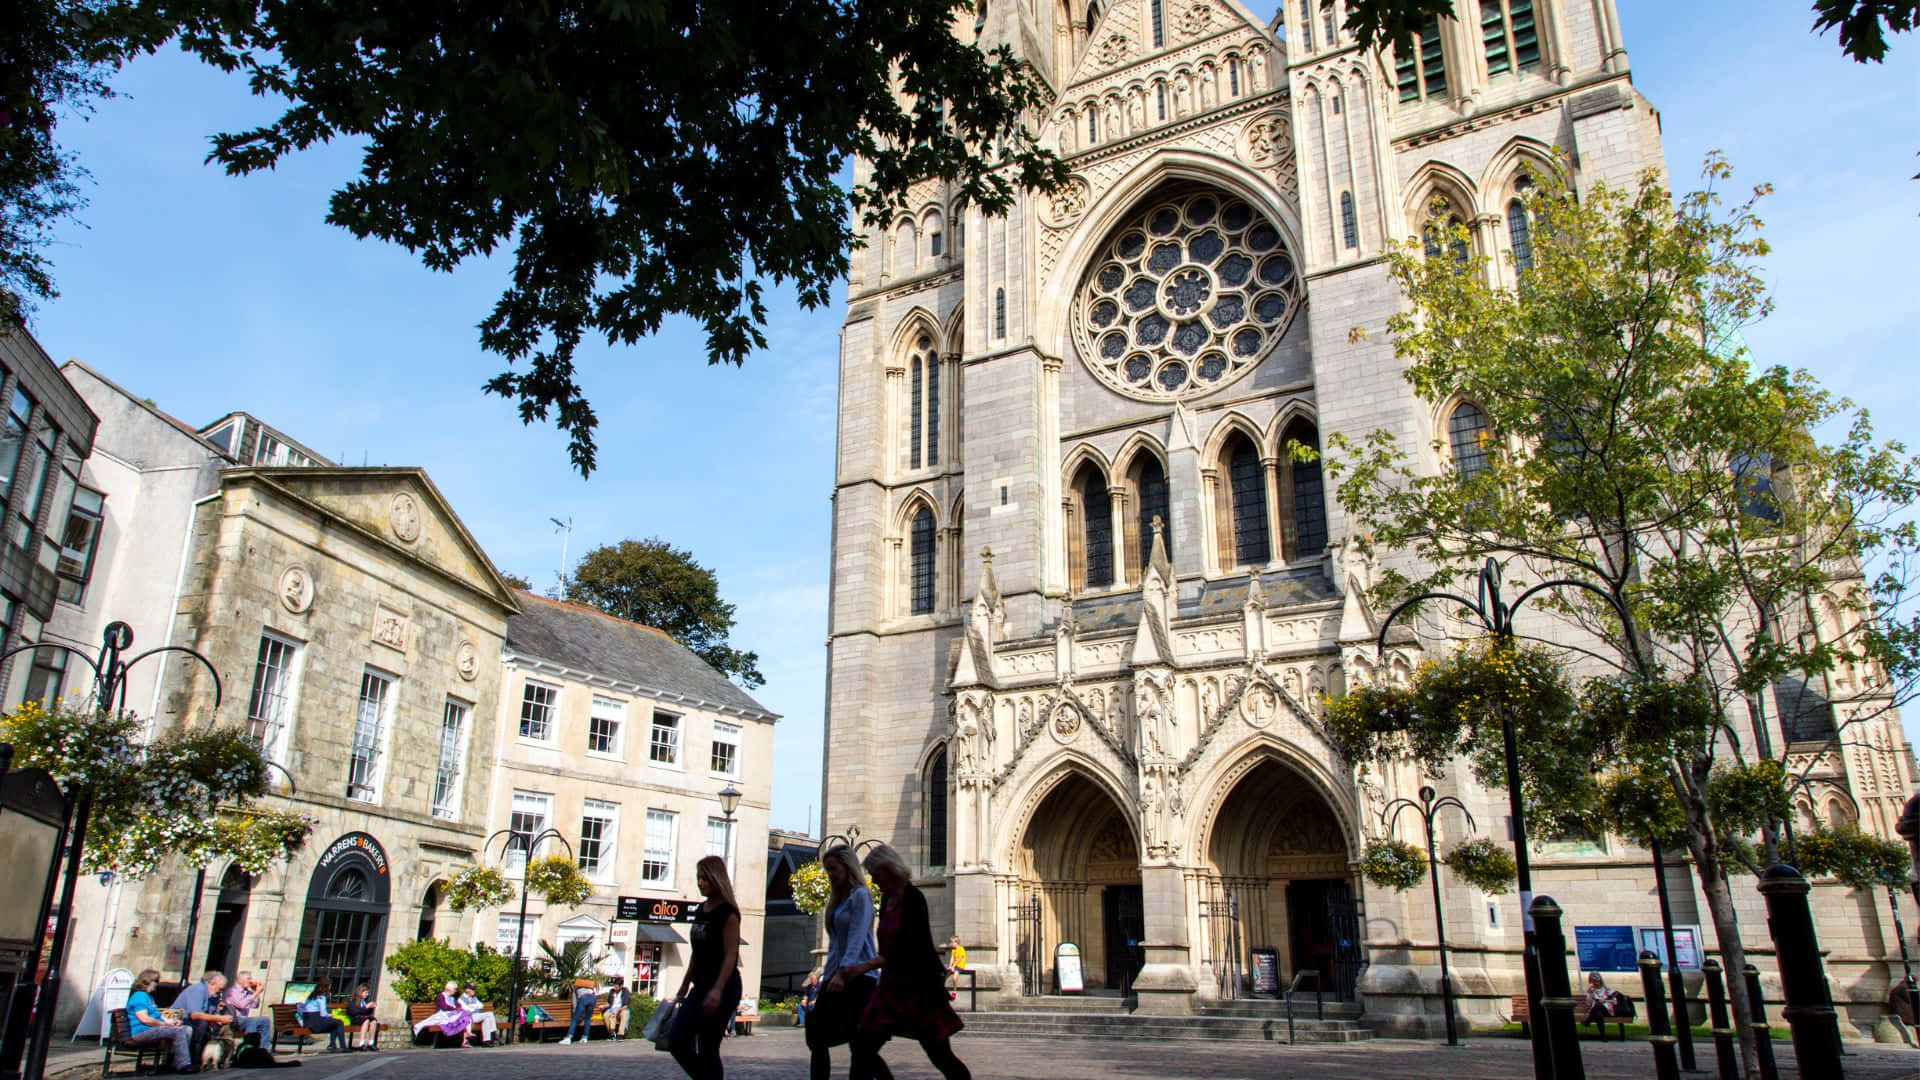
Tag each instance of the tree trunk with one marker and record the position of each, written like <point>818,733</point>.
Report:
<point>1726,926</point>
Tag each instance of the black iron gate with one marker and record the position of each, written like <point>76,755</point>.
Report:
<point>1029,939</point>
<point>1221,914</point>
<point>1343,916</point>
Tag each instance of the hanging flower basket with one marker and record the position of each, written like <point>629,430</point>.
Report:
<point>1483,864</point>
<point>560,880</point>
<point>811,889</point>
<point>477,886</point>
<point>1393,864</point>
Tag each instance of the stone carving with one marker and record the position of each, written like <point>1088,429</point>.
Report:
<point>1066,721</point>
<point>1258,705</point>
<point>404,518</point>
<point>1195,20</point>
<point>296,589</point>
<point>390,627</point>
<point>1307,830</point>
<point>1266,139</point>
<point>1115,48</point>
<point>1154,715</point>
<point>1112,844</point>
<point>1065,206</point>
<point>466,660</point>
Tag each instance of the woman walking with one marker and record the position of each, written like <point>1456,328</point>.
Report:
<point>911,1001</point>
<point>711,991</point>
<point>843,993</point>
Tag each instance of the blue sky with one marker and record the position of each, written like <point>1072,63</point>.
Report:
<point>209,294</point>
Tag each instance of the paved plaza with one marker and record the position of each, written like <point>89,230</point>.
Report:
<point>782,1053</point>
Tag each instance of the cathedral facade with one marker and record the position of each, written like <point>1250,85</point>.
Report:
<point>1086,602</point>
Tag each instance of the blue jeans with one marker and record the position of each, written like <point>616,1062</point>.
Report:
<point>177,1037</point>
<point>582,1021</point>
<point>261,1026</point>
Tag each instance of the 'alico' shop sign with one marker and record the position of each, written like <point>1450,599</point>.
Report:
<point>656,909</point>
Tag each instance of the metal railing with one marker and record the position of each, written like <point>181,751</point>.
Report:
<point>1319,998</point>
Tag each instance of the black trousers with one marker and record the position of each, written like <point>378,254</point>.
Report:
<point>835,1019</point>
<point>697,1034</point>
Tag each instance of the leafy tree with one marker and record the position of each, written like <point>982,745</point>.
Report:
<point>515,581</point>
<point>656,584</point>
<point>1863,24</point>
<point>422,968</point>
<point>1634,448</point>
<point>643,159</point>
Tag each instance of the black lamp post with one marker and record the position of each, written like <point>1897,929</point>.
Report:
<point>528,844</point>
<point>729,802</point>
<point>1428,808</point>
<point>1908,983</point>
<point>109,697</point>
<point>1497,616</point>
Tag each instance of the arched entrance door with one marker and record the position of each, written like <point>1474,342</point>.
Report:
<point>1280,880</point>
<point>1080,860</point>
<point>229,921</point>
<point>343,934</point>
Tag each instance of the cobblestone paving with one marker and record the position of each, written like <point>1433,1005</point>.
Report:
<point>781,1053</point>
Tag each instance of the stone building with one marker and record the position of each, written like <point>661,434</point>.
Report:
<point>621,739</point>
<point>356,628</point>
<point>1102,727</point>
<point>792,934</point>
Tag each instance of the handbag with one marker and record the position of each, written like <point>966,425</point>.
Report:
<point>659,1027</point>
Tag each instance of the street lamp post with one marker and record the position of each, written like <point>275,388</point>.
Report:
<point>109,696</point>
<point>1496,615</point>
<point>1428,808</point>
<point>729,802</point>
<point>528,845</point>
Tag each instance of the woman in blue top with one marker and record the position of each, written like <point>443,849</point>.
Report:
<point>315,1017</point>
<point>843,995</point>
<point>149,1028</point>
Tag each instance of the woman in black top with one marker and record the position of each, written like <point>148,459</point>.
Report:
<point>711,991</point>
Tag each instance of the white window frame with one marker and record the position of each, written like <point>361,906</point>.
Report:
<point>609,841</point>
<point>660,824</point>
<point>646,969</point>
<point>275,750</point>
<point>514,861</point>
<point>675,726</point>
<point>374,779</point>
<point>725,734</point>
<point>504,941</point>
<point>551,704</point>
<point>727,834</point>
<point>446,804</point>
<point>613,711</point>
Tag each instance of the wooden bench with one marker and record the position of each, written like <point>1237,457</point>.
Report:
<point>420,1010</point>
<point>286,1025</point>
<point>560,1015</point>
<point>744,1020</point>
<point>120,1031</point>
<point>1522,1015</point>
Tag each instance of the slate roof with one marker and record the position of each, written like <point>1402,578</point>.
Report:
<point>594,643</point>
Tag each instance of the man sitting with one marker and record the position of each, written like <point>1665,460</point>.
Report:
<point>200,1007</point>
<point>243,997</point>
<point>619,1006</point>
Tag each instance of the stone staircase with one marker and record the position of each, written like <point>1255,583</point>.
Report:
<point>1111,1018</point>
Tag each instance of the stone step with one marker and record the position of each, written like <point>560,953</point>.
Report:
<point>1267,1008</point>
<point>1077,1003</point>
<point>1135,1026</point>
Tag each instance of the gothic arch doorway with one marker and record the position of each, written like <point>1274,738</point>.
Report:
<point>1279,877</point>
<point>1079,859</point>
<point>229,921</point>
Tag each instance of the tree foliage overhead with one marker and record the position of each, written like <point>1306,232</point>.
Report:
<point>656,584</point>
<point>642,159</point>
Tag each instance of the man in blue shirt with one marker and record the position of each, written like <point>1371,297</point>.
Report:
<point>201,1007</point>
<point>148,1028</point>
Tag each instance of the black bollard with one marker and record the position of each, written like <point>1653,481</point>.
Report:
<point>1665,1065</point>
<point>1809,1011</point>
<point>1762,1034</point>
<point>1723,1044</point>
<point>1556,992</point>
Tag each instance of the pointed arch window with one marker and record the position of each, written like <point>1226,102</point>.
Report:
<point>1233,77</point>
<point>920,584</point>
<point>1327,25</point>
<point>1422,72</point>
<point>1092,563</point>
<point>937,809</point>
<point>999,313</point>
<point>1150,497</point>
<point>1470,438</point>
<point>1093,17</point>
<point>923,404</point>
<point>1160,97</point>
<point>916,407</point>
<point>1349,221</point>
<point>1520,233</point>
<point>1444,232</point>
<point>1305,492</point>
<point>1247,486</point>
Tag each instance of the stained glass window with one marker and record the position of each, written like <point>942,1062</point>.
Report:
<point>1520,232</point>
<point>1096,509</point>
<point>1349,223</point>
<point>1309,495</point>
<point>1248,482</point>
<point>1470,438</point>
<point>914,414</point>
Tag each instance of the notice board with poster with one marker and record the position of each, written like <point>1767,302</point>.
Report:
<point>1066,968</point>
<point>1606,948</point>
<point>1266,972</point>
<point>1686,941</point>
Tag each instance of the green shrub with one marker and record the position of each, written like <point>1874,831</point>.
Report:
<point>422,968</point>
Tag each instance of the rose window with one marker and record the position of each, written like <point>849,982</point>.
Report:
<point>1188,296</point>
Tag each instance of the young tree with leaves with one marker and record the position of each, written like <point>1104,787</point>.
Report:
<point>1632,446</point>
<point>656,584</point>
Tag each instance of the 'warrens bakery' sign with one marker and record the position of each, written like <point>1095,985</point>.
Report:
<point>361,842</point>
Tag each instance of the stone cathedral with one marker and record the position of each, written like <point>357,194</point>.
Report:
<point>1084,599</point>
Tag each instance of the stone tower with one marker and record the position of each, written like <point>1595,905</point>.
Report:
<point>1084,601</point>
